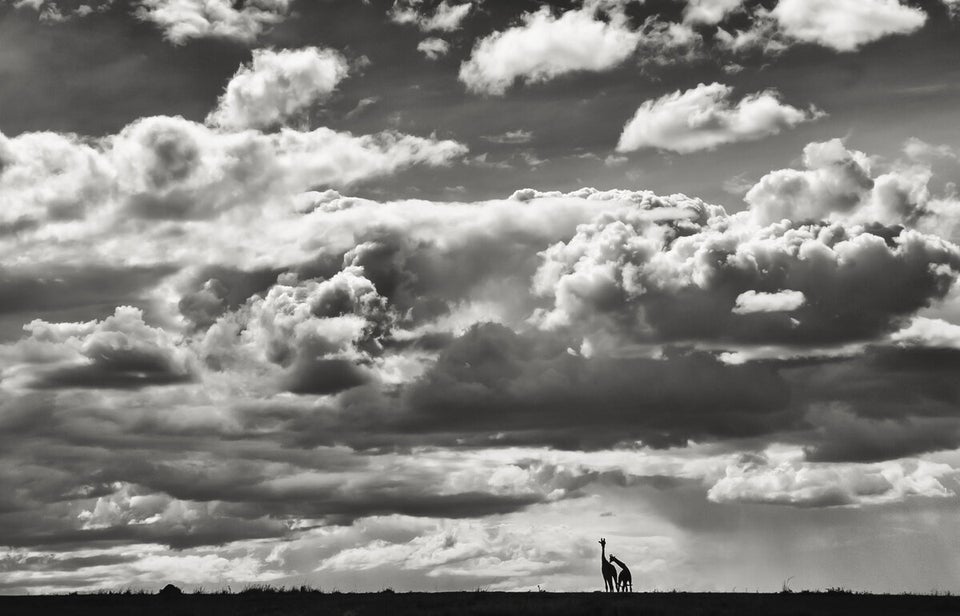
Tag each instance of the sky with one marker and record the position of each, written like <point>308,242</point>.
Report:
<point>434,295</point>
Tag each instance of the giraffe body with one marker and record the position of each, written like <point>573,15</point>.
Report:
<point>625,579</point>
<point>609,571</point>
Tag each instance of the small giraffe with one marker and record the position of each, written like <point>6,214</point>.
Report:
<point>609,571</point>
<point>625,581</point>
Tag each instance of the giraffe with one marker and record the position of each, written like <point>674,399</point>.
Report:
<point>625,581</point>
<point>609,571</point>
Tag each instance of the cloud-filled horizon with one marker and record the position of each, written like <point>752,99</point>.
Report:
<point>432,295</point>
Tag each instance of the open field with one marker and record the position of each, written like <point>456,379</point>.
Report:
<point>483,604</point>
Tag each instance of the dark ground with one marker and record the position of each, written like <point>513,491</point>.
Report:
<point>482,604</point>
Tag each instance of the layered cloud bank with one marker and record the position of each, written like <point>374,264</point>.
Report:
<point>220,365</point>
<point>275,356</point>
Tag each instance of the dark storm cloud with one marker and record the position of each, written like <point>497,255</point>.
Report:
<point>887,379</point>
<point>323,376</point>
<point>492,380</point>
<point>51,563</point>
<point>846,437</point>
<point>119,480</point>
<point>51,287</point>
<point>119,352</point>
<point>886,404</point>
<point>405,500</point>
<point>213,515</point>
<point>347,489</point>
<point>24,530</point>
<point>214,290</point>
<point>114,370</point>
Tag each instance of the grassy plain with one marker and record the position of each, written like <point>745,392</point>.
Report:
<point>482,604</point>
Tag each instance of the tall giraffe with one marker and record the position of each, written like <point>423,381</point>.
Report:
<point>625,581</point>
<point>609,571</point>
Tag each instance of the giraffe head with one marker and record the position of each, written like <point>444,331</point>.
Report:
<point>603,542</point>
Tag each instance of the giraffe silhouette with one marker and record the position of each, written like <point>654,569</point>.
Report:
<point>625,581</point>
<point>609,571</point>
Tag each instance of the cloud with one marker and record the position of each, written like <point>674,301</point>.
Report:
<point>925,332</point>
<point>119,193</point>
<point>50,176</point>
<point>664,43</point>
<point>856,433</point>
<point>59,11</point>
<point>845,25</point>
<point>672,270</point>
<point>119,352</point>
<point>462,549</point>
<point>433,47</point>
<point>318,331</point>
<point>884,402</point>
<point>171,168</point>
<point>183,20</point>
<point>709,11</point>
<point>511,137</point>
<point>305,358</point>
<point>835,180</point>
<point>276,86</point>
<point>38,288</point>
<point>592,286</point>
<point>446,17</point>
<point>544,47</point>
<point>362,105</point>
<point>762,34</point>
<point>793,482</point>
<point>249,357</point>
<point>498,386</point>
<point>842,184</point>
<point>781,301</point>
<point>704,117</point>
<point>921,151</point>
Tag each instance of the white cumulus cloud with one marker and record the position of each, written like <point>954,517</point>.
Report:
<point>842,184</point>
<point>445,17</point>
<point>845,25</point>
<point>926,332</point>
<point>545,46</point>
<point>709,11</point>
<point>705,117</point>
<point>793,481</point>
<point>183,20</point>
<point>433,47</point>
<point>277,85</point>
<point>782,301</point>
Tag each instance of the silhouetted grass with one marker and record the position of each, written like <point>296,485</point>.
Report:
<point>265,600</point>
